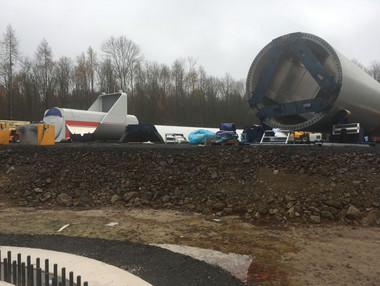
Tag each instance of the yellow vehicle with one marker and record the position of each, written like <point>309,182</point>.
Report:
<point>14,135</point>
<point>4,133</point>
<point>305,137</point>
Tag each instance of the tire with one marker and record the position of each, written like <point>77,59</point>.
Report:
<point>305,139</point>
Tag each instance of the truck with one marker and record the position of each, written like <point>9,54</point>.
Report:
<point>306,137</point>
<point>278,136</point>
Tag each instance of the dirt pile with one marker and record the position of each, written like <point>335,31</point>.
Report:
<point>260,183</point>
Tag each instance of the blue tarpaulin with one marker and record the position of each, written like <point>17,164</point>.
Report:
<point>222,136</point>
<point>201,136</point>
<point>227,132</point>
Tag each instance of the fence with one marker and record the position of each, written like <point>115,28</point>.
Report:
<point>20,274</point>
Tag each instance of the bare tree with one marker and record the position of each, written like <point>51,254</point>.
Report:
<point>27,87</point>
<point>80,74</point>
<point>92,65</point>
<point>178,76</point>
<point>202,87</point>
<point>192,75</point>
<point>106,77</point>
<point>44,67</point>
<point>123,54</point>
<point>63,76</point>
<point>138,107</point>
<point>81,82</point>
<point>152,73</point>
<point>374,70</point>
<point>358,63</point>
<point>165,78</point>
<point>180,94</point>
<point>9,59</point>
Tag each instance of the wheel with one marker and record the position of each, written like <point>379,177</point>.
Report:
<point>16,138</point>
<point>305,139</point>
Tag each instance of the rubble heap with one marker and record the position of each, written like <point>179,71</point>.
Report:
<point>259,183</point>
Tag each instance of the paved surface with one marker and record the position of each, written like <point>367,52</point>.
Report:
<point>153,264</point>
<point>96,273</point>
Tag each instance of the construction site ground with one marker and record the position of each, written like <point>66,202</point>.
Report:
<point>315,244</point>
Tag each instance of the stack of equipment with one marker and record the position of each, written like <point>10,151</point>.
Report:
<point>227,132</point>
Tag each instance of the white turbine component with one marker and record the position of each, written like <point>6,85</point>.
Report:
<point>106,119</point>
<point>300,82</point>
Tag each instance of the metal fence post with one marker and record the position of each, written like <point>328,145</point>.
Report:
<point>63,276</point>
<point>31,275</point>
<point>23,274</point>
<point>39,277</point>
<point>28,263</point>
<point>9,265</point>
<point>5,264</point>
<point>38,262</point>
<point>71,274</point>
<point>14,272</point>
<point>46,272</point>
<point>19,269</point>
<point>55,274</point>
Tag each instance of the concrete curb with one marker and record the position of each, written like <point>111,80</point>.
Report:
<point>96,273</point>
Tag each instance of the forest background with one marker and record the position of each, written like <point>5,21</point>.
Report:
<point>180,94</point>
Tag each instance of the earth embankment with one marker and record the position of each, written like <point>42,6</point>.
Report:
<point>278,184</point>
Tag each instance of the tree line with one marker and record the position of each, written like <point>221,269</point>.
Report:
<point>180,94</point>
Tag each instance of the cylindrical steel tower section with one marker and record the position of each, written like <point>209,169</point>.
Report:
<point>300,82</point>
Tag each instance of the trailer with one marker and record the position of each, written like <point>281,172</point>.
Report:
<point>175,138</point>
<point>275,136</point>
<point>349,134</point>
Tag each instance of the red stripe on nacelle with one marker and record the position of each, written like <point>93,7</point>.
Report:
<point>81,123</point>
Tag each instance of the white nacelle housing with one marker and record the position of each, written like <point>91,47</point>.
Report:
<point>106,118</point>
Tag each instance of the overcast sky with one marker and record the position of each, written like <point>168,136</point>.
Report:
<point>223,35</point>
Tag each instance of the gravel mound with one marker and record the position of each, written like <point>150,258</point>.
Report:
<point>281,184</point>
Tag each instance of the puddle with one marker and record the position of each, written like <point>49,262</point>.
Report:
<point>236,264</point>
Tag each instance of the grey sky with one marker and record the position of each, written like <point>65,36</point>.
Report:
<point>224,35</point>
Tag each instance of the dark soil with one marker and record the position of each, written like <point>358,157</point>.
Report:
<point>259,183</point>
